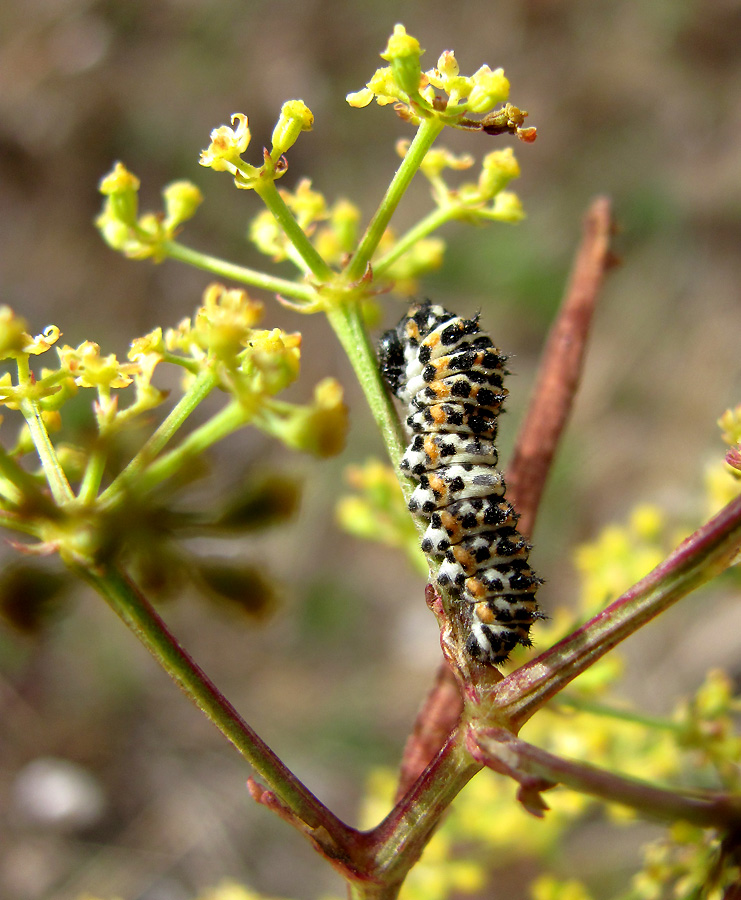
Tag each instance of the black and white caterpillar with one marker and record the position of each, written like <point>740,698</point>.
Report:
<point>451,375</point>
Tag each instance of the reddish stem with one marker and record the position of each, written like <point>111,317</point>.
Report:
<point>537,770</point>
<point>561,368</point>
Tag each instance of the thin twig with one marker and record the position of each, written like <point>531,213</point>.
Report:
<point>137,613</point>
<point>538,770</point>
<point>557,382</point>
<point>560,368</point>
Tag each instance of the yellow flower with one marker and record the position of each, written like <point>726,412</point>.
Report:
<point>227,145</point>
<point>90,369</point>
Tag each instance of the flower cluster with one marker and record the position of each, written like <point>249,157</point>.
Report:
<point>253,364</point>
<point>224,153</point>
<point>143,236</point>
<point>79,367</point>
<point>441,92</point>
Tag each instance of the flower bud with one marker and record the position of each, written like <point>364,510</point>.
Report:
<point>295,117</point>
<point>182,199</point>
<point>121,188</point>
<point>497,170</point>
<point>447,64</point>
<point>489,88</point>
<point>508,207</point>
<point>403,53</point>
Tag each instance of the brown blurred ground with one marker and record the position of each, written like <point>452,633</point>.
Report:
<point>639,101</point>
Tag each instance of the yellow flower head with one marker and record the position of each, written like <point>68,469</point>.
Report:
<point>227,145</point>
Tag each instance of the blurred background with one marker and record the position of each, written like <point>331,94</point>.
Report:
<point>110,782</point>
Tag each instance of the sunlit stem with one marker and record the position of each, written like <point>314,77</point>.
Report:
<point>423,140</point>
<point>196,393</point>
<point>431,222</point>
<point>271,197</point>
<point>347,322</point>
<point>240,274</point>
<point>56,479</point>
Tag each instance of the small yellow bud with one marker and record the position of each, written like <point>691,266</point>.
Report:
<point>489,88</point>
<point>151,343</point>
<point>439,158</point>
<point>403,52</point>
<point>384,86</point>
<point>118,181</point>
<point>321,428</point>
<point>401,45</point>
<point>295,117</point>
<point>730,423</point>
<point>715,696</point>
<point>447,64</point>
<point>497,170</point>
<point>121,188</point>
<point>507,207</point>
<point>330,418</point>
<point>345,217</point>
<point>647,522</point>
<point>309,206</point>
<point>182,199</point>
<point>267,236</point>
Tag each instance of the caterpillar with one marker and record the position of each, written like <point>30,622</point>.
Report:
<point>451,376</point>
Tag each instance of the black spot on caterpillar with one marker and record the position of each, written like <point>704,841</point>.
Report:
<point>451,376</point>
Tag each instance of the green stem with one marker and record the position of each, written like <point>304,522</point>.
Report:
<point>93,474</point>
<point>272,199</point>
<point>19,522</point>
<point>196,393</point>
<point>211,432</point>
<point>57,480</point>
<point>423,140</point>
<point>240,274</point>
<point>431,222</point>
<point>347,322</point>
<point>132,607</point>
